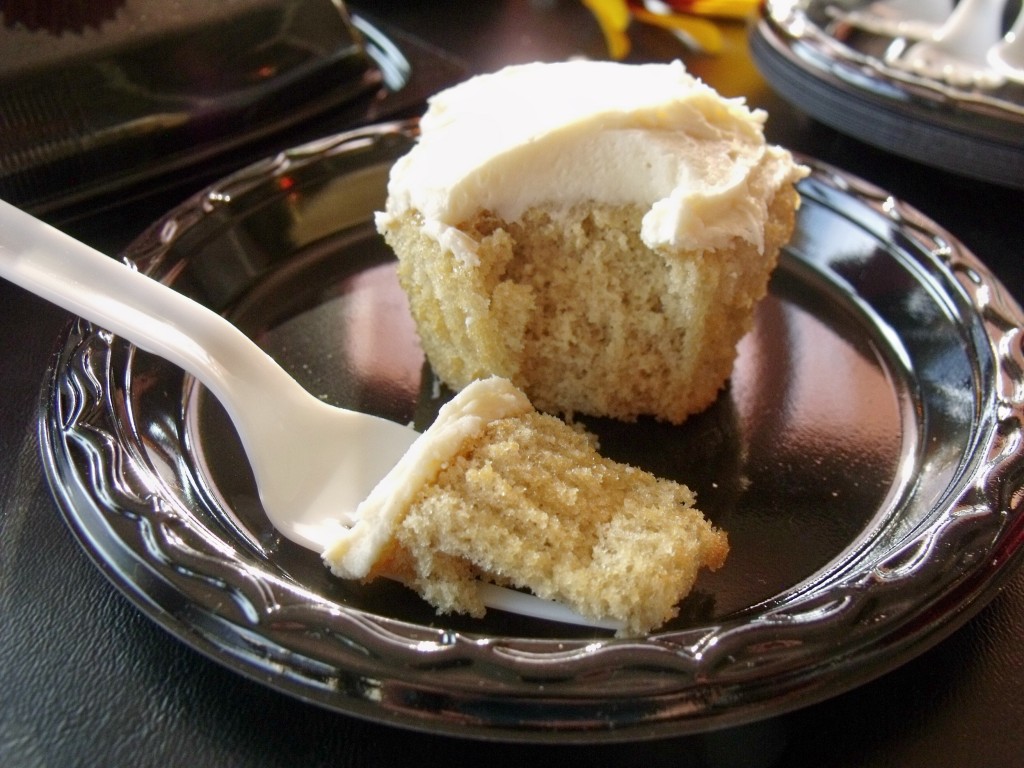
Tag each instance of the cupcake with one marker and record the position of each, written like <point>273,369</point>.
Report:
<point>597,233</point>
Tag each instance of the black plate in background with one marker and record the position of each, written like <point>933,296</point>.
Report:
<point>838,74</point>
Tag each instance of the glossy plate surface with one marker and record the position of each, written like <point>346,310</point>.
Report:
<point>866,461</point>
<point>848,77</point>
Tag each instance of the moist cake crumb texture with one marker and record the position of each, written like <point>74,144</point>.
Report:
<point>526,501</point>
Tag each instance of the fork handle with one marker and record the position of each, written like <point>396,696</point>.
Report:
<point>113,295</point>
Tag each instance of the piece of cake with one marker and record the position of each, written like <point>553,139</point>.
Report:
<point>494,491</point>
<point>598,233</point>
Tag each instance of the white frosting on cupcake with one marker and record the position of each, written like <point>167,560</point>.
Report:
<point>556,135</point>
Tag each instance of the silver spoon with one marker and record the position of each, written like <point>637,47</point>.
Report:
<point>313,463</point>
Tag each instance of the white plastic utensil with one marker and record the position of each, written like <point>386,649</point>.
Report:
<point>957,52</point>
<point>912,19</point>
<point>1007,56</point>
<point>313,463</point>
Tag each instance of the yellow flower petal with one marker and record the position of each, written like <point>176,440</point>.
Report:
<point>613,17</point>
<point>726,9</point>
<point>704,33</point>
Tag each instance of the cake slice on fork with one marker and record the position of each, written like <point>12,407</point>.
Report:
<point>495,491</point>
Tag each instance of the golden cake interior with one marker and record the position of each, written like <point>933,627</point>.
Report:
<point>578,312</point>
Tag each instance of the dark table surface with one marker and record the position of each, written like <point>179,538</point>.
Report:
<point>87,679</point>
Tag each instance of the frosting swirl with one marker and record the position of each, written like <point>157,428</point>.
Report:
<point>557,135</point>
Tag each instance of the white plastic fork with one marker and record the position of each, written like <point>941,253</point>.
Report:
<point>313,463</point>
<point>957,52</point>
<point>912,19</point>
<point>1007,55</point>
